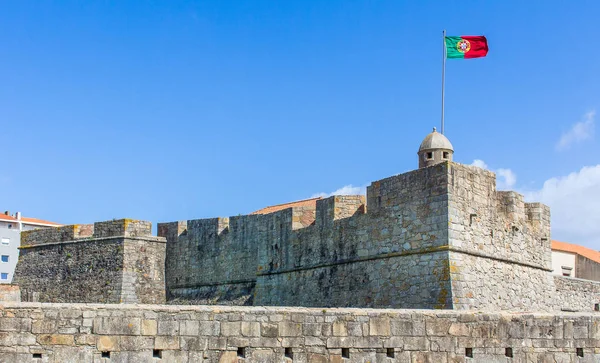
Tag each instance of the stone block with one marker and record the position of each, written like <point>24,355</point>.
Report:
<point>107,343</point>
<point>117,326</point>
<point>340,328</point>
<point>229,329</point>
<point>166,342</point>
<point>289,329</point>
<point>56,339</point>
<point>149,327</point>
<point>168,327</point>
<point>189,327</point>
<point>379,326</point>
<point>250,329</point>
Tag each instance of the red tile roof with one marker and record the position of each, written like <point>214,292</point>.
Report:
<point>27,220</point>
<point>580,250</point>
<point>312,202</point>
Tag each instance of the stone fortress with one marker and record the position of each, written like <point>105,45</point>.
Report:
<point>439,237</point>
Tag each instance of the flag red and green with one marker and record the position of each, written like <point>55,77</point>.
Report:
<point>466,46</point>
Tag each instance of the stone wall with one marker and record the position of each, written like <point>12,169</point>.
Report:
<point>574,294</point>
<point>111,262</point>
<point>501,257</point>
<point>33,332</point>
<point>437,237</point>
<point>336,255</point>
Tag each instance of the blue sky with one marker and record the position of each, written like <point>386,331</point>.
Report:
<point>181,110</point>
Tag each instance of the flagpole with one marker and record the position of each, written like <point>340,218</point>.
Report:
<point>443,74</point>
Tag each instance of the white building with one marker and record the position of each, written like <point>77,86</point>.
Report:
<point>10,238</point>
<point>575,261</point>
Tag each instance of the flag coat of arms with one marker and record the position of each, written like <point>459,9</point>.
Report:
<point>466,46</point>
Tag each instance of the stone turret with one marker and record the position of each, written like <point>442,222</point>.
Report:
<point>434,149</point>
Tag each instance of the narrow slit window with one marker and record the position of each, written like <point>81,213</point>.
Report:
<point>469,352</point>
<point>390,353</point>
<point>580,352</point>
<point>445,155</point>
<point>346,353</point>
<point>157,353</point>
<point>429,155</point>
<point>288,353</point>
<point>508,352</point>
<point>241,352</point>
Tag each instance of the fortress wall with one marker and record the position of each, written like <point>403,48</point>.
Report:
<point>576,294</point>
<point>500,245</point>
<point>73,265</point>
<point>497,224</point>
<point>180,334</point>
<point>87,271</point>
<point>214,260</point>
<point>486,284</point>
<point>392,256</point>
<point>400,239</point>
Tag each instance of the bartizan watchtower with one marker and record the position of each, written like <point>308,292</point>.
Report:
<point>434,149</point>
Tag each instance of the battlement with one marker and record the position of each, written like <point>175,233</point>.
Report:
<point>113,228</point>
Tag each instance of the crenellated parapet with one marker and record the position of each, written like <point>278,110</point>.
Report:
<point>417,240</point>
<point>74,232</point>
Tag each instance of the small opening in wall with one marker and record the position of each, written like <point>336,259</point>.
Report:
<point>105,354</point>
<point>289,353</point>
<point>508,352</point>
<point>241,352</point>
<point>445,155</point>
<point>580,352</point>
<point>37,355</point>
<point>390,353</point>
<point>346,353</point>
<point>596,307</point>
<point>429,155</point>
<point>157,353</point>
<point>469,352</point>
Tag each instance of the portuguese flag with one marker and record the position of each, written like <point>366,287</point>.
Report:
<point>466,46</point>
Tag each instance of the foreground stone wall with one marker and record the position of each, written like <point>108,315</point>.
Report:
<point>33,332</point>
<point>108,262</point>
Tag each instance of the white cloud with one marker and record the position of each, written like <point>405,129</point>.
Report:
<point>574,202</point>
<point>581,131</point>
<point>345,190</point>
<point>506,178</point>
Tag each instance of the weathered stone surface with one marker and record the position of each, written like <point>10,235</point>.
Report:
<point>122,332</point>
<point>440,237</point>
<point>112,262</point>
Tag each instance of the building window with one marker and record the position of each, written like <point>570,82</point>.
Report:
<point>566,270</point>
<point>9,226</point>
<point>4,258</point>
<point>4,276</point>
<point>5,241</point>
<point>445,155</point>
<point>429,155</point>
